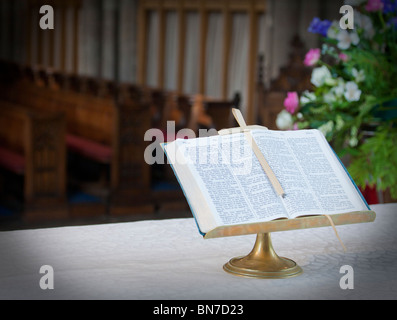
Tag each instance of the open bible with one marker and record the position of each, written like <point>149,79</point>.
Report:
<point>226,186</point>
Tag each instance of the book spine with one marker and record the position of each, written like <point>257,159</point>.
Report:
<point>187,199</point>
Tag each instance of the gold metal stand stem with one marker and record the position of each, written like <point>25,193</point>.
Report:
<point>263,262</point>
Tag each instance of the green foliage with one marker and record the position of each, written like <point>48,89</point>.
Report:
<point>376,162</point>
<point>379,72</point>
<point>354,97</point>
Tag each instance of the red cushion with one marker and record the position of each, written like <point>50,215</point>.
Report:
<point>89,148</point>
<point>12,161</point>
<point>370,194</point>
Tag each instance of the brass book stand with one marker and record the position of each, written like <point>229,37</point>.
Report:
<point>263,262</point>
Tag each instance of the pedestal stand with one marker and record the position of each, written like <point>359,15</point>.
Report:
<point>263,262</point>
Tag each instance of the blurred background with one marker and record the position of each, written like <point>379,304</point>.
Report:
<point>76,100</point>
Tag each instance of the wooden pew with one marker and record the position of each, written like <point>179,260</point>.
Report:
<point>130,173</point>
<point>106,130</point>
<point>220,112</point>
<point>163,106</point>
<point>273,103</point>
<point>166,106</point>
<point>32,146</point>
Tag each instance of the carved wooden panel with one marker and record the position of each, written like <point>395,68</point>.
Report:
<point>46,158</point>
<point>129,169</point>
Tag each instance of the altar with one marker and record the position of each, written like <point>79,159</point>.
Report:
<point>169,259</point>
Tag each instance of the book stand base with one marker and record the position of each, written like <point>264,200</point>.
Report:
<point>263,262</point>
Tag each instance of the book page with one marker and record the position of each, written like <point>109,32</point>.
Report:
<point>310,173</point>
<point>231,179</point>
<point>196,200</point>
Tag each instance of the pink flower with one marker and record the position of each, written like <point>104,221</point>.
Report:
<point>291,102</point>
<point>374,5</point>
<point>312,57</point>
<point>343,56</point>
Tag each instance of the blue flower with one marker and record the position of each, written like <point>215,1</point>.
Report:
<point>318,26</point>
<point>389,6</point>
<point>392,23</point>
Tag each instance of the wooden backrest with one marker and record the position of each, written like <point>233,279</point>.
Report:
<point>220,112</point>
<point>87,116</point>
<point>13,126</point>
<point>158,101</point>
<point>133,117</point>
<point>40,138</point>
<point>184,106</point>
<point>273,104</point>
<point>118,123</point>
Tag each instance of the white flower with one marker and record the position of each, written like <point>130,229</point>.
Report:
<point>345,39</point>
<point>330,82</point>
<point>339,122</point>
<point>354,38</point>
<point>333,30</point>
<point>329,97</point>
<point>352,93</point>
<point>339,89</point>
<point>364,22</point>
<point>326,127</point>
<point>359,76</point>
<point>307,97</point>
<point>353,141</point>
<point>284,120</point>
<point>320,76</point>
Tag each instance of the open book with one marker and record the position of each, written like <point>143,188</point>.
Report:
<point>225,184</point>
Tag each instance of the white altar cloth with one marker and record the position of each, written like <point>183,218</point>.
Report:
<point>168,259</point>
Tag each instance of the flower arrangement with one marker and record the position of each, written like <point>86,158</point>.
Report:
<point>353,100</point>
